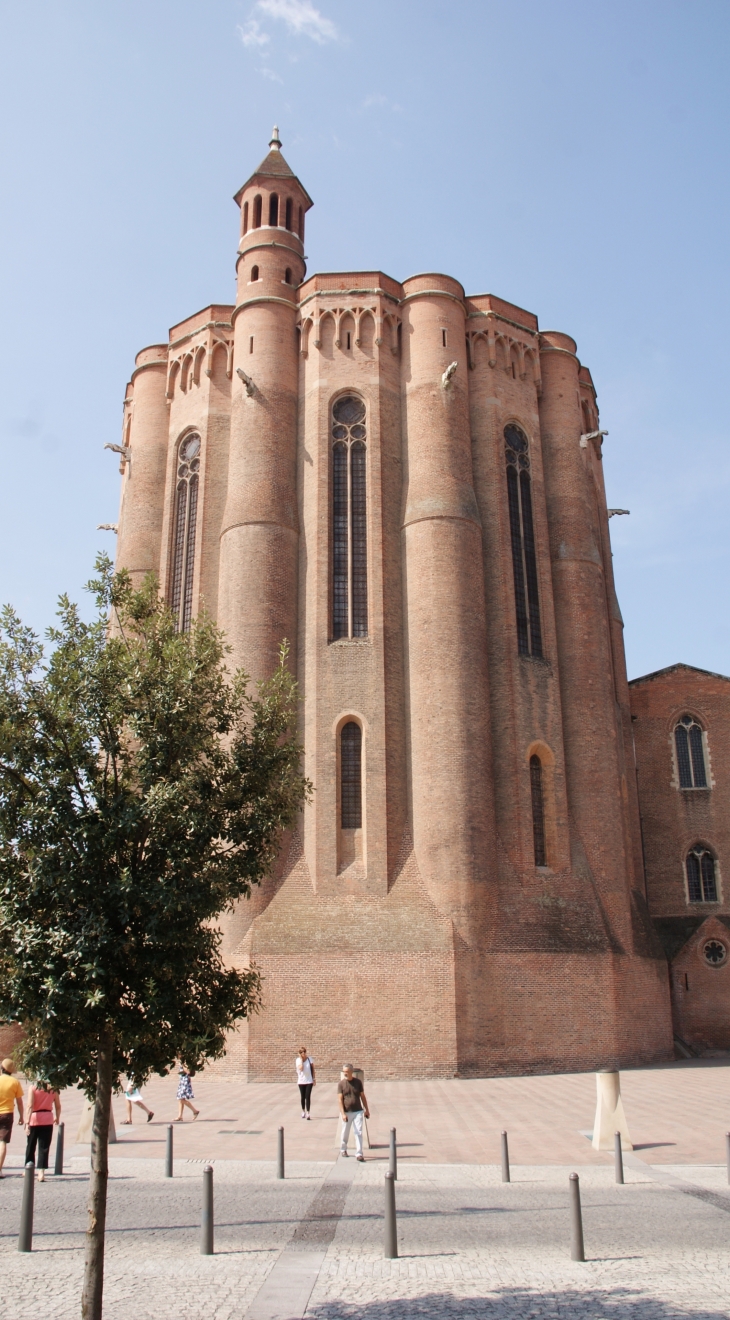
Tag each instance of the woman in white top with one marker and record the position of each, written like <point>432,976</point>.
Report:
<point>306,1078</point>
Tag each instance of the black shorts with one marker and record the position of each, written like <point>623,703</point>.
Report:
<point>6,1126</point>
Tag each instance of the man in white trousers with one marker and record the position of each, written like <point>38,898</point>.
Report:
<point>353,1107</point>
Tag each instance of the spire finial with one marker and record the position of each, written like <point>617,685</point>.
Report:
<point>275,143</point>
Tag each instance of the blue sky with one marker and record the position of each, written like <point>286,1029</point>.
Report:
<point>571,157</point>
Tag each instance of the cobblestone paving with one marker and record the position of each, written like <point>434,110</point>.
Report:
<point>469,1245</point>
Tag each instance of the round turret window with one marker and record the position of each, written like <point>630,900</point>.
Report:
<point>715,953</point>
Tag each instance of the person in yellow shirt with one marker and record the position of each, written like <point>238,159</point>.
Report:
<point>11,1092</point>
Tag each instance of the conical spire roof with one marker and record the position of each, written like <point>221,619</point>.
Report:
<point>273,166</point>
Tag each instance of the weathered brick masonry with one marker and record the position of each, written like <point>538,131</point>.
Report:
<point>406,482</point>
<point>676,820</point>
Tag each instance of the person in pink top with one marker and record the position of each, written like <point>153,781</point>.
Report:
<point>39,1121</point>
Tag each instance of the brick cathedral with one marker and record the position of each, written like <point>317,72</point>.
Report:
<point>513,858</point>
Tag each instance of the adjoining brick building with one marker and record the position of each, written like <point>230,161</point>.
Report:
<point>406,483</point>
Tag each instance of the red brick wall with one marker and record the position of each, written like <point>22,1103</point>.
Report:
<point>673,819</point>
<point>444,949</point>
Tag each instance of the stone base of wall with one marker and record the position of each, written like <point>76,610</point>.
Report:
<point>385,984</point>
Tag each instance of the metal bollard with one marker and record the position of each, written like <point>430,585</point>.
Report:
<point>393,1164</point>
<point>168,1152</point>
<point>577,1250</point>
<point>505,1159</point>
<point>727,1148</point>
<point>25,1236</point>
<point>390,1244</point>
<point>618,1158</point>
<point>280,1154</point>
<point>58,1166</point>
<point>206,1226</point>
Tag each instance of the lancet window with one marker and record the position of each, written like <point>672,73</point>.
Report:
<point>522,536</point>
<point>538,810</point>
<point>349,519</point>
<point>183,540</point>
<point>690,753</point>
<point>701,878</point>
<point>351,776</point>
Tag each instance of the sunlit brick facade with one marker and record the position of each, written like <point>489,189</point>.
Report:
<point>406,483</point>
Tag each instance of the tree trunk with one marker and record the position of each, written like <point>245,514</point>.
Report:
<point>91,1298</point>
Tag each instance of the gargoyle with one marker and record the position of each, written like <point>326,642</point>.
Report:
<point>250,387</point>
<point>448,375</point>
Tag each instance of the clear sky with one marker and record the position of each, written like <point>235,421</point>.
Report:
<point>571,157</point>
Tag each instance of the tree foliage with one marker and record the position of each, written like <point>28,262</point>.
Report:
<point>143,791</point>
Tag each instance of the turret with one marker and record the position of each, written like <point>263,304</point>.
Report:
<point>592,734</point>
<point>258,552</point>
<point>453,826</point>
<point>144,441</point>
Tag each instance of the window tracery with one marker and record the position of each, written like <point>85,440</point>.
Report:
<point>183,540</point>
<point>701,877</point>
<point>689,745</point>
<point>349,519</point>
<point>522,537</point>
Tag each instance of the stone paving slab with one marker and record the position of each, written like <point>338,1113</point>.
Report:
<point>469,1244</point>
<point>677,1113</point>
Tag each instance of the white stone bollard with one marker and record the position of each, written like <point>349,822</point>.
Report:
<point>610,1117</point>
<point>83,1136</point>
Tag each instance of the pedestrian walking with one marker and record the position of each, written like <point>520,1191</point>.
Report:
<point>11,1093</point>
<point>39,1124</point>
<point>353,1108</point>
<point>133,1096</point>
<point>185,1094</point>
<point>306,1078</point>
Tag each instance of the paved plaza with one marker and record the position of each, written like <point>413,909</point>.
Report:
<point>469,1245</point>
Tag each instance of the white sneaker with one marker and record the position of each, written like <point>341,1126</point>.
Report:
<point>303,1114</point>
<point>309,1118</point>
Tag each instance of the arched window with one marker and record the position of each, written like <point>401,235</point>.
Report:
<point>254,273</point>
<point>538,810</point>
<point>301,224</point>
<point>524,564</point>
<point>690,753</point>
<point>288,212</point>
<point>701,879</point>
<point>183,539</point>
<point>351,776</point>
<point>287,275</point>
<point>256,212</point>
<point>349,519</point>
<point>245,217</point>
<point>274,209</point>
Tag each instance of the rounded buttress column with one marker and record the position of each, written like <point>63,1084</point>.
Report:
<point>585,662</point>
<point>453,828</point>
<point>257,601</point>
<point>139,542</point>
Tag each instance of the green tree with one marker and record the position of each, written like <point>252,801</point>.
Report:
<point>143,791</point>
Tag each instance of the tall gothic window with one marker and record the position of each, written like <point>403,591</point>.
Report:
<point>351,776</point>
<point>349,519</point>
<point>183,540</point>
<point>690,754</point>
<point>522,536</point>
<point>701,881</point>
<point>538,810</point>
